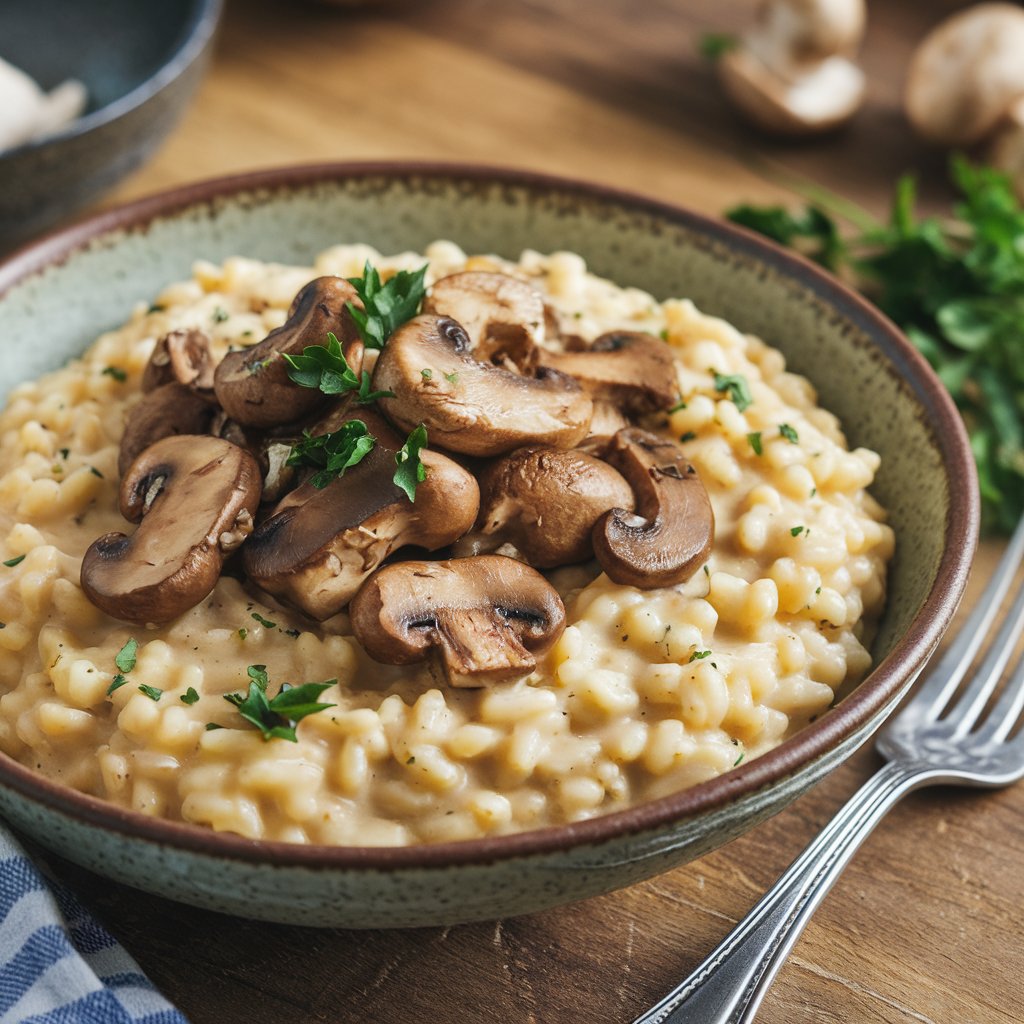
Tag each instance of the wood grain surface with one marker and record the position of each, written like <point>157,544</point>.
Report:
<point>926,925</point>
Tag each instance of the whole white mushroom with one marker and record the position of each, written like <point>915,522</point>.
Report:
<point>28,113</point>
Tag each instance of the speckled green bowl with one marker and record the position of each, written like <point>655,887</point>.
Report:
<point>57,296</point>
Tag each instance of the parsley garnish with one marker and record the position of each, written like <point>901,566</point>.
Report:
<point>210,726</point>
<point>955,284</point>
<point>16,560</point>
<point>190,696</point>
<point>453,377</point>
<point>386,306</point>
<point>789,433</point>
<point>675,408</point>
<point>242,633</point>
<point>116,683</point>
<point>277,717</point>
<point>125,658</point>
<point>700,655</point>
<point>426,374</point>
<point>65,452</point>
<point>411,470</point>
<point>333,453</point>
<point>95,472</point>
<point>755,442</point>
<point>737,387</point>
<point>116,372</point>
<point>713,44</point>
<point>152,692</point>
<point>739,759</point>
<point>796,531</point>
<point>688,436</point>
<point>325,367</point>
<point>220,314</point>
<point>265,623</point>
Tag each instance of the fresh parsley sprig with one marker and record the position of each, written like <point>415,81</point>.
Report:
<point>411,470</point>
<point>385,306</point>
<point>277,717</point>
<point>325,367</point>
<point>333,453</point>
<point>956,287</point>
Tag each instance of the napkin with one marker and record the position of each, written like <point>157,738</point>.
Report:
<point>58,965</point>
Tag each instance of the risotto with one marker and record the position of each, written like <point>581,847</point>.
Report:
<point>646,691</point>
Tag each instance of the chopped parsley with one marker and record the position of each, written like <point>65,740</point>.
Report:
<point>65,452</point>
<point>796,531</point>
<point>242,633</point>
<point>16,560</point>
<point>700,655</point>
<point>789,433</point>
<point>152,692</point>
<point>739,759</point>
<point>713,45</point>
<point>755,442</point>
<point>675,408</point>
<point>95,472</point>
<point>453,377</point>
<point>125,658</point>
<point>333,453</point>
<point>276,717</point>
<point>116,683</point>
<point>210,726</point>
<point>190,696</point>
<point>385,306</point>
<point>266,623</point>
<point>735,384</point>
<point>411,470</point>
<point>326,368</point>
<point>663,334</point>
<point>116,372</point>
<point>426,374</point>
<point>688,436</point>
<point>220,314</point>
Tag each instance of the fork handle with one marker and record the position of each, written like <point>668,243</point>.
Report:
<point>727,988</point>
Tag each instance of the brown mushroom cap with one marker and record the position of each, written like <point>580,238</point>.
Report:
<point>488,617</point>
<point>471,407</point>
<point>318,546</point>
<point>195,497</point>
<point>503,316</point>
<point>966,74</point>
<point>184,357</point>
<point>670,535</point>
<point>545,501</point>
<point>253,386</point>
<point>630,369</point>
<point>167,411</point>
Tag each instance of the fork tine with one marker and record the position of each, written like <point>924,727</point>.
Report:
<point>942,680</point>
<point>966,711</point>
<point>1007,709</point>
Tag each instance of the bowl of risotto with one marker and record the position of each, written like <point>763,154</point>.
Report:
<point>402,545</point>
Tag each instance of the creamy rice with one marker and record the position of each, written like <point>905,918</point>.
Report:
<point>645,692</point>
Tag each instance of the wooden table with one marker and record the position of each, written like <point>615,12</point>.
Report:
<point>926,925</point>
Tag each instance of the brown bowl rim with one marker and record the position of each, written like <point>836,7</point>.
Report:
<point>877,691</point>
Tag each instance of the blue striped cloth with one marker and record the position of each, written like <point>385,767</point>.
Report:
<point>57,964</point>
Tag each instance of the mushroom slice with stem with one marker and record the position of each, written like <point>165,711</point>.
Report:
<point>791,74</point>
<point>544,502</point>
<point>319,545</point>
<point>488,617</point>
<point>670,535</point>
<point>472,407</point>
<point>503,316</point>
<point>182,356</point>
<point>168,411</point>
<point>252,384</point>
<point>194,499</point>
<point>630,369</point>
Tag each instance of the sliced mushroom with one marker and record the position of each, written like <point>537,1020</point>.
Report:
<point>169,410</point>
<point>792,73</point>
<point>253,385</point>
<point>606,422</point>
<point>194,499</point>
<point>544,502</point>
<point>503,316</point>
<point>318,546</point>
<point>471,407</point>
<point>488,617</point>
<point>670,535</point>
<point>630,369</point>
<point>184,357</point>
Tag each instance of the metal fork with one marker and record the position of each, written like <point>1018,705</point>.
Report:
<point>940,737</point>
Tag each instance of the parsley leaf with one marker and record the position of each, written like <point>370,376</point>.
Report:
<point>326,368</point>
<point>755,442</point>
<point>955,284</point>
<point>713,44</point>
<point>277,717</point>
<point>16,560</point>
<point>116,372</point>
<point>152,692</point>
<point>190,696</point>
<point>386,306</point>
<point>789,433</point>
<point>737,387</point>
<point>700,655</point>
<point>333,453</point>
<point>116,683</point>
<point>411,470</point>
<point>125,658</point>
<point>265,623</point>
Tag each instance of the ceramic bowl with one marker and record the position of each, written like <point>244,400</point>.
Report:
<point>866,372</point>
<point>141,63</point>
